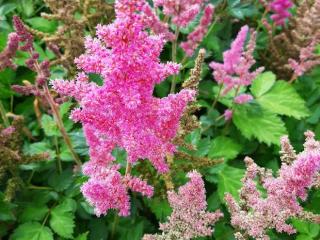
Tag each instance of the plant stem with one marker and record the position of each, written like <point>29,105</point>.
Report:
<point>58,155</point>
<point>114,225</point>
<point>293,78</point>
<point>58,119</point>
<point>217,98</point>
<point>128,168</point>
<point>39,187</point>
<point>174,59</point>
<point>4,116</point>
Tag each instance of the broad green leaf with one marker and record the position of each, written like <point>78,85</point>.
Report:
<point>62,221</point>
<point>83,236</point>
<point>27,6</point>
<point>160,208</point>
<point>42,24</point>
<point>32,231</point>
<point>49,126</point>
<point>284,100</point>
<point>7,8</point>
<point>61,181</point>
<point>308,228</point>
<point>262,83</point>
<point>33,212</point>
<point>224,147</point>
<point>229,181</point>
<point>6,210</point>
<point>132,233</point>
<point>264,125</point>
<point>64,108</point>
<point>304,237</point>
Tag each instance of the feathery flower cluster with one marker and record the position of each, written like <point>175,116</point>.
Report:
<point>22,35</point>
<point>9,52</point>
<point>307,59</point>
<point>182,12</point>
<point>235,72</point>
<point>195,37</point>
<point>155,24</point>
<point>189,218</point>
<point>254,215</point>
<point>281,11</point>
<point>123,112</point>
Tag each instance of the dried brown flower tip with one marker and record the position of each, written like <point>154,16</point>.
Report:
<point>303,30</point>
<point>67,42</point>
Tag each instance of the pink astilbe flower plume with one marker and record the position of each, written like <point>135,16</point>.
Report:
<point>182,12</point>
<point>255,214</point>
<point>195,37</point>
<point>189,218</point>
<point>123,112</point>
<point>235,71</point>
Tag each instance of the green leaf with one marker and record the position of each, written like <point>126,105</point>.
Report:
<point>39,148</point>
<point>229,181</point>
<point>64,108</point>
<point>224,147</point>
<point>7,8</point>
<point>284,100</point>
<point>27,6</point>
<point>6,210</point>
<point>262,83</point>
<point>264,125</point>
<point>32,231</point>
<point>62,220</point>
<point>33,212</point>
<point>61,181</point>
<point>303,237</point>
<point>160,208</point>
<point>42,24</point>
<point>49,126</point>
<point>308,228</point>
<point>83,236</point>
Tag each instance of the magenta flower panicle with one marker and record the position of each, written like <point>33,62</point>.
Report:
<point>123,111</point>
<point>255,214</point>
<point>7,55</point>
<point>281,11</point>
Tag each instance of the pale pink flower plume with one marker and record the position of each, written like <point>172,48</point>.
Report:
<point>189,218</point>
<point>181,12</point>
<point>307,59</point>
<point>235,70</point>
<point>255,214</point>
<point>123,112</point>
<point>243,98</point>
<point>228,114</point>
<point>195,37</point>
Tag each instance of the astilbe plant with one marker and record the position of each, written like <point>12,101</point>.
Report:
<point>235,72</point>
<point>189,218</point>
<point>67,42</point>
<point>256,213</point>
<point>291,53</point>
<point>123,112</point>
<point>22,40</point>
<point>12,156</point>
